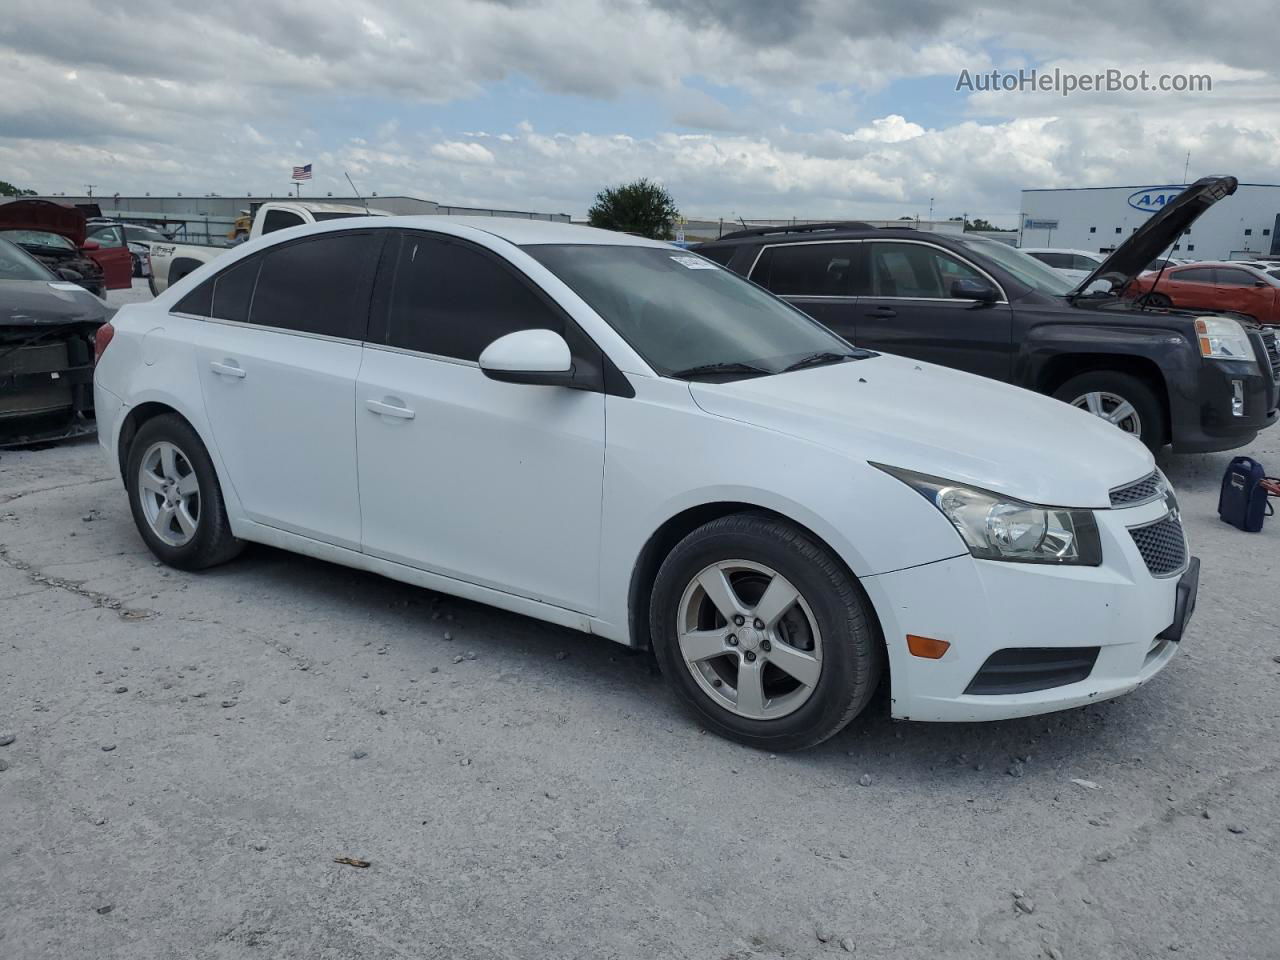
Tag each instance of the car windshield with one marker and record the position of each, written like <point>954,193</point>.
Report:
<point>17,265</point>
<point>1024,267</point>
<point>38,238</point>
<point>688,316</point>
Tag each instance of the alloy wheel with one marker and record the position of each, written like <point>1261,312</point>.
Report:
<point>1112,408</point>
<point>749,639</point>
<point>169,493</point>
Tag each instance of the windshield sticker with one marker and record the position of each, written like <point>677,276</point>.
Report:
<point>695,263</point>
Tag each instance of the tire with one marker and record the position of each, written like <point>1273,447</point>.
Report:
<point>1157,300</point>
<point>151,282</point>
<point>196,534</point>
<point>1103,392</point>
<point>832,638</point>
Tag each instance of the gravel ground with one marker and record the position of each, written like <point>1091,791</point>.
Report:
<point>191,752</point>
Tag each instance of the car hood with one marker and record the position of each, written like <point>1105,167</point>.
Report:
<point>943,422</point>
<point>25,304</point>
<point>1159,233</point>
<point>43,215</point>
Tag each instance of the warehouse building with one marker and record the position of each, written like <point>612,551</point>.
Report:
<point>210,219</point>
<point>1242,226</point>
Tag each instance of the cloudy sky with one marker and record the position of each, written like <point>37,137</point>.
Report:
<point>808,108</point>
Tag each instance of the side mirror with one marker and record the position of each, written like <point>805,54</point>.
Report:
<point>91,245</point>
<point>1261,283</point>
<point>72,276</point>
<point>529,356</point>
<point>978,290</point>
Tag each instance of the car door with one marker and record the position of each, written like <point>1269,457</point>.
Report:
<point>112,255</point>
<point>497,484</point>
<point>816,276</point>
<point>1190,287</point>
<point>1241,291</point>
<point>906,307</point>
<point>277,365</point>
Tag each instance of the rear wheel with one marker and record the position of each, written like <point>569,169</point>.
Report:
<point>1122,400</point>
<point>175,498</point>
<point>763,634</point>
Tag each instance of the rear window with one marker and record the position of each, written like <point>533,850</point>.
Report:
<point>321,285</point>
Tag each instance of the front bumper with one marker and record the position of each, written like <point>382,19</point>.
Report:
<point>46,390</point>
<point>981,607</point>
<point>1206,421</point>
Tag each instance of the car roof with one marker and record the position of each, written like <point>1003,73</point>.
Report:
<point>516,230</point>
<point>829,232</point>
<point>1085,253</point>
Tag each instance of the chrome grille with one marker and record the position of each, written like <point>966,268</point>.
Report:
<point>1162,545</point>
<point>1150,487</point>
<point>1273,352</point>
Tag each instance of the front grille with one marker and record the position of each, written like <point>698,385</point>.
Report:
<point>1024,669</point>
<point>1273,351</point>
<point>1149,488</point>
<point>1162,545</point>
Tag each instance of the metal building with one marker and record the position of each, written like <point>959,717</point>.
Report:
<point>209,219</point>
<point>1244,225</point>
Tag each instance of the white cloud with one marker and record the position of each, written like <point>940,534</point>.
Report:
<point>457,152</point>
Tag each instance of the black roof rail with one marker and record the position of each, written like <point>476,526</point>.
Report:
<point>798,228</point>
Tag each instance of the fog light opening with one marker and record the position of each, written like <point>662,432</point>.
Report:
<point>1237,398</point>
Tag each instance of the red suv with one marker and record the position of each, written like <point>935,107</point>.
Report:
<point>1251,290</point>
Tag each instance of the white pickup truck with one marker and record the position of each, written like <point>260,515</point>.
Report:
<point>170,262</point>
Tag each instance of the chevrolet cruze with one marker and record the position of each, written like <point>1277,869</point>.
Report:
<point>618,436</point>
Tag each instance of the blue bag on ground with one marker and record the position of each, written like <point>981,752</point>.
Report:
<point>1243,500</point>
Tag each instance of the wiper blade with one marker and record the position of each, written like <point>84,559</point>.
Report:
<point>734,367</point>
<point>814,359</point>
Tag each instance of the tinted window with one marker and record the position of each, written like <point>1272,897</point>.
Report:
<point>319,285</point>
<point>233,290</point>
<point>1083,263</point>
<point>806,269</point>
<point>721,255</point>
<point>279,220</point>
<point>1235,278</point>
<point>199,302</point>
<point>1056,260</point>
<point>915,270</point>
<point>1196,275</point>
<point>450,299</point>
<point>16,265</point>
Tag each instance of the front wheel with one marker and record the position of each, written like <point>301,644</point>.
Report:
<point>1157,301</point>
<point>763,634</point>
<point>1122,400</point>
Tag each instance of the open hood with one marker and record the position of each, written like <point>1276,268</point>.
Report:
<point>44,215</point>
<point>1159,233</point>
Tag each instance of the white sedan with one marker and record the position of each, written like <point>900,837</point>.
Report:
<point>615,435</point>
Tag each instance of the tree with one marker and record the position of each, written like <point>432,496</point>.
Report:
<point>641,207</point>
<point>9,190</point>
<point>977,223</point>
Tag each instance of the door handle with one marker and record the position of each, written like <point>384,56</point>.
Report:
<point>227,368</point>
<point>385,409</point>
<point>882,312</point>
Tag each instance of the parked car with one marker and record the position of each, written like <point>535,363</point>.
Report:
<point>1198,382</point>
<point>170,262</point>
<point>776,512</point>
<point>61,256</point>
<point>1075,265</point>
<point>47,329</point>
<point>137,238</point>
<point>48,218</point>
<point>1251,290</point>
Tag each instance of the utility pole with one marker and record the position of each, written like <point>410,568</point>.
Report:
<point>931,208</point>
<point>89,187</point>
<point>1186,167</point>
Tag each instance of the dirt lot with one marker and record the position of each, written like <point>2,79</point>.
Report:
<point>192,752</point>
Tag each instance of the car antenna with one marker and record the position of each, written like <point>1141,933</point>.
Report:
<point>362,200</point>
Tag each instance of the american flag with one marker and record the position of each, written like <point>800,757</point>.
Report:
<point>302,173</point>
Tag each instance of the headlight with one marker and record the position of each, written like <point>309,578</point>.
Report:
<point>995,527</point>
<point>1223,339</point>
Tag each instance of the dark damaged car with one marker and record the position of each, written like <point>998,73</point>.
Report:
<point>1203,380</point>
<point>48,328</point>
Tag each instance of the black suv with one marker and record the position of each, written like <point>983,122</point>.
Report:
<point>1201,381</point>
